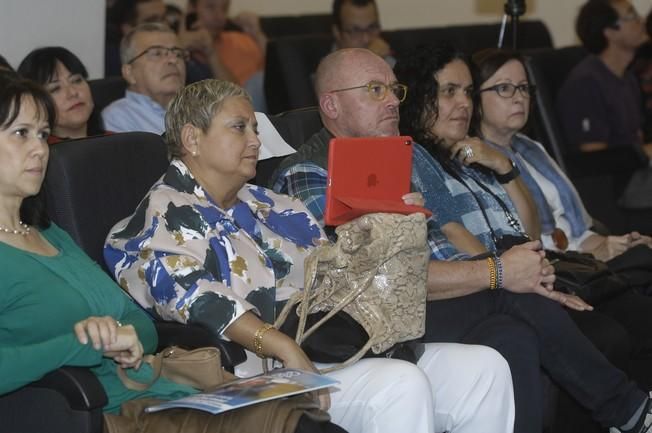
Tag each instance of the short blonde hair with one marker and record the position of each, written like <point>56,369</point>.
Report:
<point>196,104</point>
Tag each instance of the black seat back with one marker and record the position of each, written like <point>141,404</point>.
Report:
<point>292,61</point>
<point>471,38</point>
<point>289,68</point>
<point>291,25</point>
<point>548,69</point>
<point>92,183</point>
<point>107,90</point>
<point>296,127</point>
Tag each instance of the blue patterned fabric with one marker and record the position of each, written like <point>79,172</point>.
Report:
<point>184,258</point>
<point>307,182</point>
<point>524,149</point>
<point>451,201</point>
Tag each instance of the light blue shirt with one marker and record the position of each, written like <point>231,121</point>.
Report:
<point>134,112</point>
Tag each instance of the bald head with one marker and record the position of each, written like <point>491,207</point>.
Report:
<point>346,106</point>
<point>340,67</point>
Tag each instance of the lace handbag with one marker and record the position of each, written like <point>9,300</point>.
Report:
<point>376,273</point>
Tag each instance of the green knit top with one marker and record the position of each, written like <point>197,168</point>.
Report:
<point>41,299</point>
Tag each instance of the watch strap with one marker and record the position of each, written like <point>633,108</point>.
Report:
<point>510,175</point>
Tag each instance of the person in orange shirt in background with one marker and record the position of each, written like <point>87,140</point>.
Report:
<point>242,53</point>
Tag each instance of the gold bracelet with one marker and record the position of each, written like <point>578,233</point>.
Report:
<point>258,339</point>
<point>493,274</point>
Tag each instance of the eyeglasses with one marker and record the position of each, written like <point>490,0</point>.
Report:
<point>157,52</point>
<point>359,31</point>
<point>632,15</point>
<point>507,90</point>
<point>378,91</point>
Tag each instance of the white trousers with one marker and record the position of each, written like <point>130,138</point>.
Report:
<point>453,388</point>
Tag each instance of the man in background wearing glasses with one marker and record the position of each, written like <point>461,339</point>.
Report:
<point>153,64</point>
<point>356,24</point>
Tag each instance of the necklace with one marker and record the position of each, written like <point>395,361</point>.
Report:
<point>23,231</point>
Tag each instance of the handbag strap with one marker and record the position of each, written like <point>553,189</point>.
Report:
<point>156,361</point>
<point>304,298</point>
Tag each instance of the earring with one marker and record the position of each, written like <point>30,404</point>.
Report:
<point>194,153</point>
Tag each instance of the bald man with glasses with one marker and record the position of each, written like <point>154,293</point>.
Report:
<point>359,96</point>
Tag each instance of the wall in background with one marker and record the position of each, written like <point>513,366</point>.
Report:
<point>79,24</point>
<point>75,24</point>
<point>559,15</point>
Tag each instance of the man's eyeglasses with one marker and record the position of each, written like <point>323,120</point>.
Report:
<point>359,31</point>
<point>378,91</point>
<point>507,90</point>
<point>157,52</point>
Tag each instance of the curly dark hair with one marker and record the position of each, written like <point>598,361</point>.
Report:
<point>595,16</point>
<point>13,91</point>
<point>417,69</point>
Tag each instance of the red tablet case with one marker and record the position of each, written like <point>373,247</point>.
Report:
<point>367,175</point>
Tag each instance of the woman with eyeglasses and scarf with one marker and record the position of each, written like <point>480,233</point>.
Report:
<point>481,203</point>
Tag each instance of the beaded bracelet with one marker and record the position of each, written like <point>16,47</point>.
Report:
<point>258,339</point>
<point>499,272</point>
<point>493,273</point>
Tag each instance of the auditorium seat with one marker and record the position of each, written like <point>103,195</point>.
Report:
<point>107,90</point>
<point>292,25</point>
<point>290,64</point>
<point>292,61</point>
<point>296,127</point>
<point>92,183</point>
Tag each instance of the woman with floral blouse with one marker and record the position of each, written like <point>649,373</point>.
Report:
<point>207,248</point>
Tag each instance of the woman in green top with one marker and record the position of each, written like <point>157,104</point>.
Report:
<point>57,307</point>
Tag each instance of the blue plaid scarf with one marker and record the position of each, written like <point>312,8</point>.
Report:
<point>524,149</point>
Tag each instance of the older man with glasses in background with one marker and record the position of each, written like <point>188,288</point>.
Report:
<point>153,64</point>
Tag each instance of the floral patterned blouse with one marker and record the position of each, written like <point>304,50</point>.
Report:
<point>184,258</point>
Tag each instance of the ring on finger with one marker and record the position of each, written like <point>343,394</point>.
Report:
<point>468,152</point>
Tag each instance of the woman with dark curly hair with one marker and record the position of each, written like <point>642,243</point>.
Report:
<point>481,204</point>
<point>437,114</point>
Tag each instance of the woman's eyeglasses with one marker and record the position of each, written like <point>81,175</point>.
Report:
<point>507,90</point>
<point>378,91</point>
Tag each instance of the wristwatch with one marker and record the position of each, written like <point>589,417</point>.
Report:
<point>510,175</point>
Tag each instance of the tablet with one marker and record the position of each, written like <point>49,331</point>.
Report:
<point>368,175</point>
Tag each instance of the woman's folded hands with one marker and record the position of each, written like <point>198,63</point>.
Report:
<point>121,343</point>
